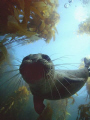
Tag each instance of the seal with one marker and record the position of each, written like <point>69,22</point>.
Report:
<point>47,83</point>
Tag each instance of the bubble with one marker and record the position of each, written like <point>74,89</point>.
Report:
<point>66,5</point>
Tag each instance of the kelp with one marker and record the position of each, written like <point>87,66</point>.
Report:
<point>58,109</point>
<point>14,104</point>
<point>4,56</point>
<point>29,18</point>
<point>84,27</point>
<point>46,114</point>
<point>84,112</point>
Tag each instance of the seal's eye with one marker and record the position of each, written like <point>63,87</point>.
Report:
<point>46,57</point>
<point>26,58</point>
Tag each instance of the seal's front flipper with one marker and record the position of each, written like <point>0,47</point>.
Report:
<point>38,104</point>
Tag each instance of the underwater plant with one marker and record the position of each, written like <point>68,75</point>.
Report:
<point>84,112</point>
<point>14,104</point>
<point>4,55</point>
<point>84,27</point>
<point>29,18</point>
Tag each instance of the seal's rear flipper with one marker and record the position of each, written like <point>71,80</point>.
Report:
<point>87,62</point>
<point>38,104</point>
<point>89,71</point>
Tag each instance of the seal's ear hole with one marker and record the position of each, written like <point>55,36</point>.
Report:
<point>46,57</point>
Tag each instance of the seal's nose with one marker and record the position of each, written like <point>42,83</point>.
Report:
<point>34,57</point>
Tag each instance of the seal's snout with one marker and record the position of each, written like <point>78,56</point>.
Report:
<point>32,71</point>
<point>34,67</point>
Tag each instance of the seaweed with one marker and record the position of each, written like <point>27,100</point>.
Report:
<point>29,18</point>
<point>14,104</point>
<point>84,27</point>
<point>84,112</point>
<point>4,56</point>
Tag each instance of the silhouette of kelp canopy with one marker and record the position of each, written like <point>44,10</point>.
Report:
<point>84,27</point>
<point>29,18</point>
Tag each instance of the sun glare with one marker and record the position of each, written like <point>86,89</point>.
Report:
<point>80,14</point>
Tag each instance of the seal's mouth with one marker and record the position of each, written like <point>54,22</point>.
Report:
<point>34,68</point>
<point>32,72</point>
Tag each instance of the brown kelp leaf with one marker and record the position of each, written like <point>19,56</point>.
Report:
<point>14,104</point>
<point>45,31</point>
<point>36,12</point>
<point>26,11</point>
<point>53,34</point>
<point>73,100</point>
<point>21,3</point>
<point>43,8</point>
<point>3,53</point>
<point>19,16</point>
<point>55,29</point>
<point>13,27</point>
<point>16,14</point>
<point>39,4</point>
<point>25,32</point>
<point>84,27</point>
<point>42,26</point>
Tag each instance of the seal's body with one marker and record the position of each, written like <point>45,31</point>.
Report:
<point>47,83</point>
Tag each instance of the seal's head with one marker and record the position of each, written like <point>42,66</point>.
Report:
<point>35,67</point>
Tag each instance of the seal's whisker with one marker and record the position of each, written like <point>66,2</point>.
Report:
<point>10,82</point>
<point>59,58</point>
<point>10,65</point>
<point>18,83</point>
<point>22,82</point>
<point>8,88</point>
<point>62,67</point>
<point>9,71</point>
<point>64,86</point>
<point>50,87</point>
<point>56,87</point>
<point>26,84</point>
<point>66,64</point>
<point>67,81</point>
<point>15,65</point>
<point>18,61</point>
<point>9,79</point>
<point>9,95</point>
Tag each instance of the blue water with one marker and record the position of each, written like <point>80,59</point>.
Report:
<point>68,45</point>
